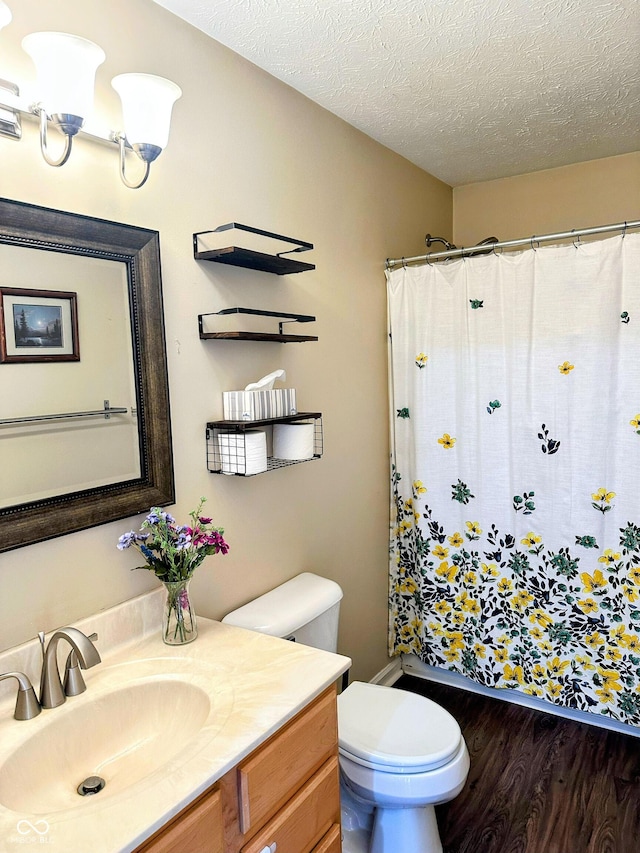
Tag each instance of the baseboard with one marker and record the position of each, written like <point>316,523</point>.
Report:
<point>412,665</point>
<point>390,674</point>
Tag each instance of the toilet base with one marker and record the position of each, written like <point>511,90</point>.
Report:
<point>413,830</point>
<point>374,829</point>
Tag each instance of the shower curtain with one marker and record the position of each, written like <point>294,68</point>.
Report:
<point>515,471</point>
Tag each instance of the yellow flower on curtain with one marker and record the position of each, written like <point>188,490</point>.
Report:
<point>593,582</point>
<point>541,618</point>
<point>588,605</point>
<point>501,655</point>
<point>634,575</point>
<point>610,679</point>
<point>447,572</point>
<point>455,540</point>
<point>521,600</point>
<point>604,495</point>
<point>556,666</point>
<point>505,585</point>
<point>594,640</point>
<point>631,642</point>
<point>635,423</point>
<point>442,608</point>
<point>531,540</point>
<point>565,367</point>
<point>473,528</point>
<point>609,558</point>
<point>440,553</point>
<point>419,487</point>
<point>447,441</point>
<point>539,672</point>
<point>407,586</point>
<point>513,673</point>
<point>554,690</point>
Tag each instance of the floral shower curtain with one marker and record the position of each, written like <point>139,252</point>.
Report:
<point>515,476</point>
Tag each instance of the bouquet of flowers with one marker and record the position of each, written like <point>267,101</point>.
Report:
<point>174,551</point>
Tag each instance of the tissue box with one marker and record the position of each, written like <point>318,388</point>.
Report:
<point>259,405</point>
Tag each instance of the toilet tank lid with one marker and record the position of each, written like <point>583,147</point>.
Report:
<point>288,607</point>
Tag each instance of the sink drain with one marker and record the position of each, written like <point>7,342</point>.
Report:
<point>91,785</point>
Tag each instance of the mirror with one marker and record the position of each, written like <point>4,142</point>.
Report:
<point>85,435</point>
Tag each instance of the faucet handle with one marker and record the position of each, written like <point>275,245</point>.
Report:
<point>27,705</point>
<point>73,681</point>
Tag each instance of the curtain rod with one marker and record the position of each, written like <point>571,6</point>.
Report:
<point>508,244</point>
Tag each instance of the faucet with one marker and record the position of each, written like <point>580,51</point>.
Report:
<point>51,692</point>
<point>27,706</point>
<point>73,684</point>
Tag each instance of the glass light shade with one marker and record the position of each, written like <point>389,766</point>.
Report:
<point>5,14</point>
<point>66,67</point>
<point>147,101</point>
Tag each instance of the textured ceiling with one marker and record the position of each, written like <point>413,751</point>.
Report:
<point>469,90</point>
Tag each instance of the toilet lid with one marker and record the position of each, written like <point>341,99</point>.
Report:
<point>395,729</point>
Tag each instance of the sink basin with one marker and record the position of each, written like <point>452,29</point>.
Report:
<point>128,725</point>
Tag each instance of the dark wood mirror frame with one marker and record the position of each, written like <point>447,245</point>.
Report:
<point>42,228</point>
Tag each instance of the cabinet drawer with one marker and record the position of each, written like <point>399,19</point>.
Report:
<point>267,779</point>
<point>331,843</point>
<point>198,829</point>
<point>306,818</point>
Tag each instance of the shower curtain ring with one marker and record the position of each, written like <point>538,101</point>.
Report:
<point>575,245</point>
<point>624,230</point>
<point>404,263</point>
<point>535,248</point>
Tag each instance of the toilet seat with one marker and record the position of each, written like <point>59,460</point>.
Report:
<point>395,731</point>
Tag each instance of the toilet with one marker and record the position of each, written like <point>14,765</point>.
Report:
<point>400,754</point>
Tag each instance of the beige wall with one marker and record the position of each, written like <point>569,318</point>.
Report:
<point>599,192</point>
<point>243,147</point>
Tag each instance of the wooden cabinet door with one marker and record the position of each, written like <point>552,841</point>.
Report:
<point>306,819</point>
<point>267,778</point>
<point>331,843</point>
<point>196,830</point>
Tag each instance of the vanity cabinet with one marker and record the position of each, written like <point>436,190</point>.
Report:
<point>284,796</point>
<point>198,829</point>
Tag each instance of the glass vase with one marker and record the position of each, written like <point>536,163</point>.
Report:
<point>178,619</point>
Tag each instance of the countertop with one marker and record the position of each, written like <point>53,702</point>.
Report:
<point>259,683</point>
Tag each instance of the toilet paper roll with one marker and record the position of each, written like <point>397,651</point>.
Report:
<point>243,452</point>
<point>293,441</point>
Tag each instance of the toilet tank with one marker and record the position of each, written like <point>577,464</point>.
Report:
<point>305,609</point>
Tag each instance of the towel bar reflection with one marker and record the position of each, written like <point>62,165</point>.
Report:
<point>105,412</point>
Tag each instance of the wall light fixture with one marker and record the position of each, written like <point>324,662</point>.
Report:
<point>66,67</point>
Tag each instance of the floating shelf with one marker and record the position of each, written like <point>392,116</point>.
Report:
<point>232,456</point>
<point>279,337</point>
<point>250,258</point>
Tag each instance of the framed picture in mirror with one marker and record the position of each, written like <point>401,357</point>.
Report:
<point>38,325</point>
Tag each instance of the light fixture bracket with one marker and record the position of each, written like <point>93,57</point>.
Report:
<point>10,122</point>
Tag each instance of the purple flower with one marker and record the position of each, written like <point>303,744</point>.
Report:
<point>182,542</point>
<point>156,516</point>
<point>126,540</point>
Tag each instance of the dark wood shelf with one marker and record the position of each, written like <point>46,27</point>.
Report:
<point>235,256</point>
<point>256,336</point>
<point>241,426</point>
<point>234,335</point>
<point>249,258</point>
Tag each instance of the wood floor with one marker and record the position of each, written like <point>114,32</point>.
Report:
<point>538,783</point>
